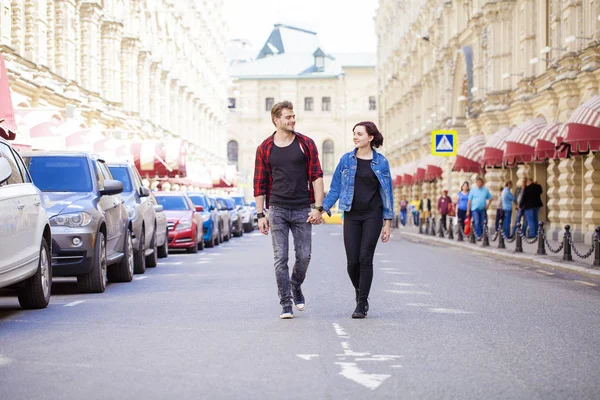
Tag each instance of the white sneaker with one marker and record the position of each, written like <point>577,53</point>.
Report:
<point>287,313</point>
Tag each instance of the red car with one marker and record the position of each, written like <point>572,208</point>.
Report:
<point>184,221</point>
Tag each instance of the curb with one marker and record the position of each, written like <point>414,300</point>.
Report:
<point>533,258</point>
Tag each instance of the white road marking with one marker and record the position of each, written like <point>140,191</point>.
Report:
<point>74,303</point>
<point>203,262</point>
<point>403,284</point>
<point>314,233</point>
<point>352,372</point>
<point>378,357</point>
<point>388,269</point>
<point>307,357</point>
<point>215,254</point>
<point>396,366</point>
<point>419,292</point>
<point>139,278</point>
<point>4,360</point>
<point>419,305</point>
<point>349,353</point>
<point>381,254</point>
<point>340,331</point>
<point>447,311</point>
<point>398,273</point>
<point>541,271</point>
<point>334,234</point>
<point>171,274</point>
<point>172,263</point>
<point>586,283</point>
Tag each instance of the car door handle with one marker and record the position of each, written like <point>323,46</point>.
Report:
<point>37,203</point>
<point>20,205</point>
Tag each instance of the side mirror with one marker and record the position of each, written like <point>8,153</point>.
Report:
<point>158,208</point>
<point>212,208</point>
<point>5,170</point>
<point>199,208</point>
<point>111,187</point>
<point>144,191</point>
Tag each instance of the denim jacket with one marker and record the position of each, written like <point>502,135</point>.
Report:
<point>342,184</point>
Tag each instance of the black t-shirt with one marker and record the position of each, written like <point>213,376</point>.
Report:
<point>290,178</point>
<point>367,199</point>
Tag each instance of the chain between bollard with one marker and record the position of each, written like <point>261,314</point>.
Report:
<point>577,253</point>
<point>549,246</point>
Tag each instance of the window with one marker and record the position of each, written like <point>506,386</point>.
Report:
<point>231,103</point>
<point>232,152</point>
<point>328,160</point>
<point>269,102</point>
<point>326,104</point>
<point>61,174</point>
<point>121,174</point>
<point>372,103</point>
<point>173,203</point>
<point>22,168</point>
<point>308,103</point>
<point>15,178</point>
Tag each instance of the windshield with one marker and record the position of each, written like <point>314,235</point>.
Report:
<point>121,174</point>
<point>60,174</point>
<point>198,200</point>
<point>175,203</point>
<point>239,201</point>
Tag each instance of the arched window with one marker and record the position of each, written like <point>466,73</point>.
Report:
<point>232,152</point>
<point>328,160</point>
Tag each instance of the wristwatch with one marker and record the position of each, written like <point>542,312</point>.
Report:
<point>260,215</point>
<point>319,209</point>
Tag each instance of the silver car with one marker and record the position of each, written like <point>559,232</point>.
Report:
<point>91,230</point>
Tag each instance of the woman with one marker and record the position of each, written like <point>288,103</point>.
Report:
<point>415,210</point>
<point>461,206</point>
<point>499,210</point>
<point>363,184</point>
<point>403,210</point>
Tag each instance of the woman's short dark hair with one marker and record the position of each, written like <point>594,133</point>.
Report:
<point>372,130</point>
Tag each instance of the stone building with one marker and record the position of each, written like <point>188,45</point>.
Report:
<point>102,75</point>
<point>518,81</point>
<point>330,93</point>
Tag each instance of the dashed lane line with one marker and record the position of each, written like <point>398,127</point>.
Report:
<point>140,278</point>
<point>74,303</point>
<point>447,311</point>
<point>413,292</point>
<point>541,271</point>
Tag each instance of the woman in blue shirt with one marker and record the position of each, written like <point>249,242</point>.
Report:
<point>363,184</point>
<point>463,202</point>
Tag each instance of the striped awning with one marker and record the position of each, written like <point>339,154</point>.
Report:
<point>419,175</point>
<point>545,146</point>
<point>520,144</point>
<point>434,167</point>
<point>581,133</point>
<point>493,151</point>
<point>468,156</point>
<point>408,172</point>
<point>43,128</point>
<point>148,157</point>
<point>176,156</point>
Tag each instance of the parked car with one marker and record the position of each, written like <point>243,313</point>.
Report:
<point>141,214</point>
<point>246,213</point>
<point>254,212</point>
<point>184,221</point>
<point>25,235</point>
<point>225,215</point>
<point>210,216</point>
<point>214,208</point>
<point>91,231</point>
<point>237,227</point>
<point>162,231</point>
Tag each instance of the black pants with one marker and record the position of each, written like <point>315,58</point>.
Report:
<point>360,239</point>
<point>443,221</point>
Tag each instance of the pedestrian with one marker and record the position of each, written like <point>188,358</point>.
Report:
<point>425,208</point>
<point>520,217</point>
<point>444,206</point>
<point>362,182</point>
<point>287,180</point>
<point>507,204</point>
<point>499,210</point>
<point>531,202</point>
<point>480,199</point>
<point>462,204</point>
<point>414,205</point>
<point>403,210</point>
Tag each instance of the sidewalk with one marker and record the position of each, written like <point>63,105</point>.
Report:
<point>554,261</point>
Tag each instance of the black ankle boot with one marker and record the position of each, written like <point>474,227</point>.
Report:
<point>360,311</point>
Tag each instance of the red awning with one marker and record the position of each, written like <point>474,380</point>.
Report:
<point>545,147</point>
<point>398,181</point>
<point>433,169</point>
<point>176,157</point>
<point>468,156</point>
<point>148,157</point>
<point>581,133</point>
<point>520,144</point>
<point>8,125</point>
<point>493,151</point>
<point>407,179</point>
<point>420,174</point>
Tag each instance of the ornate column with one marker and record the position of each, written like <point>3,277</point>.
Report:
<point>50,17</point>
<point>90,51</point>
<point>30,24</point>
<point>553,181</point>
<point>591,204</point>
<point>112,33</point>
<point>569,194</point>
<point>494,180</point>
<point>143,89</point>
<point>130,74</point>
<point>165,93</point>
<point>155,93</point>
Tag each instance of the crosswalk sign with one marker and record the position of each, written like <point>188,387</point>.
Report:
<point>444,143</point>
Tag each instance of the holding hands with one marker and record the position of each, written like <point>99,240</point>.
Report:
<point>314,217</point>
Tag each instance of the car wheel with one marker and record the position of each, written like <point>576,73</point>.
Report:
<point>163,251</point>
<point>95,281</point>
<point>211,243</point>
<point>36,292</point>
<point>152,259</point>
<point>201,243</point>
<point>219,238</point>
<point>139,260</point>
<point>241,227</point>
<point>123,271</point>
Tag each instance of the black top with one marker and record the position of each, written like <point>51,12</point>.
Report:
<point>290,179</point>
<point>425,208</point>
<point>532,197</point>
<point>367,199</point>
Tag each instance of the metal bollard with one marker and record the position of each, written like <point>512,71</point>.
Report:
<point>519,246</point>
<point>567,245</point>
<point>432,233</point>
<point>420,227</point>
<point>501,244</point>
<point>427,226</point>
<point>486,239</point>
<point>441,230</point>
<point>541,251</point>
<point>451,230</point>
<point>472,238</point>
<point>461,233</point>
<point>597,248</point>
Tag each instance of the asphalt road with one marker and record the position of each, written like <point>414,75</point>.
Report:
<point>442,325</point>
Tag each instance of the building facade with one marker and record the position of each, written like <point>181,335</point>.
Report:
<point>515,79</point>
<point>330,94</point>
<point>136,70</point>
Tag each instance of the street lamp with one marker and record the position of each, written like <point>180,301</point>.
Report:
<point>548,49</point>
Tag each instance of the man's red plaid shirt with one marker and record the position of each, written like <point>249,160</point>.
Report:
<point>263,180</point>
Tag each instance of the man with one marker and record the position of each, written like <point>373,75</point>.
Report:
<point>425,208</point>
<point>507,203</point>
<point>531,202</point>
<point>520,218</point>
<point>288,179</point>
<point>444,204</point>
<point>480,199</point>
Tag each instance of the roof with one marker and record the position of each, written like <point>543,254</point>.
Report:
<point>293,65</point>
<point>349,60</point>
<point>286,39</point>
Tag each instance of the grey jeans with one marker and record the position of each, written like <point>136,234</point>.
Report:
<point>282,221</point>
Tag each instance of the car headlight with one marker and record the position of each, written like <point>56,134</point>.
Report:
<point>74,220</point>
<point>183,224</point>
<point>205,217</point>
<point>132,213</point>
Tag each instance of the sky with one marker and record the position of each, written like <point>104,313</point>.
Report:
<point>344,26</point>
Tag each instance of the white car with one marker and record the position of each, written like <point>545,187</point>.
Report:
<point>25,236</point>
